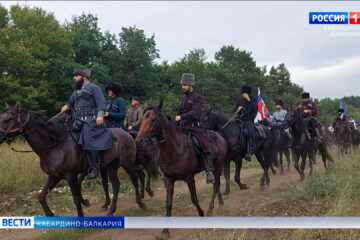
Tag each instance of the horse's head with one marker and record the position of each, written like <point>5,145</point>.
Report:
<point>292,117</point>
<point>13,122</point>
<point>206,119</point>
<point>151,124</point>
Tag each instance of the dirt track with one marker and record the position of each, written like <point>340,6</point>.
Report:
<point>251,202</point>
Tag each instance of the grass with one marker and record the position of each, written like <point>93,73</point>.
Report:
<point>340,185</point>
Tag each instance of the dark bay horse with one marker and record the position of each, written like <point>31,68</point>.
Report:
<point>178,158</point>
<point>343,136</point>
<point>62,158</point>
<point>281,146</point>
<point>303,146</point>
<point>233,133</point>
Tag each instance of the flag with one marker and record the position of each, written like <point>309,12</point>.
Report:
<point>342,106</point>
<point>262,110</point>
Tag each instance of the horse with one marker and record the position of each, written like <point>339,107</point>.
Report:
<point>179,158</point>
<point>343,136</point>
<point>147,156</point>
<point>234,134</point>
<point>281,147</point>
<point>62,158</point>
<point>303,146</point>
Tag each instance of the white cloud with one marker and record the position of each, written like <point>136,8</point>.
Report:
<point>335,80</point>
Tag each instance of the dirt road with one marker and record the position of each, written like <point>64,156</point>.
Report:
<point>251,202</point>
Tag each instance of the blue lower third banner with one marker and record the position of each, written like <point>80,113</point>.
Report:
<point>179,222</point>
<point>61,222</point>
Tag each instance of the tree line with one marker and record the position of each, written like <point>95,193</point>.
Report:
<point>38,55</point>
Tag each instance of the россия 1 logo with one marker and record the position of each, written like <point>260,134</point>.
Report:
<point>334,17</point>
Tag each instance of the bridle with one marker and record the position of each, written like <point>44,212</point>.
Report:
<point>19,130</point>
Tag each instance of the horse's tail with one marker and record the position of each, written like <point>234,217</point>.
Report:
<point>325,152</point>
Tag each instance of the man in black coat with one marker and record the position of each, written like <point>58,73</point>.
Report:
<point>247,105</point>
<point>89,104</point>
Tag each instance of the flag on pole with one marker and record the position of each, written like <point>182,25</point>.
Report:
<point>342,106</point>
<point>262,110</point>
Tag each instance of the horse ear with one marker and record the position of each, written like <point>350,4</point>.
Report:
<point>160,104</point>
<point>17,105</point>
<point>7,105</point>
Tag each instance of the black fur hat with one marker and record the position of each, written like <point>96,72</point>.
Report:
<point>82,72</point>
<point>113,86</point>
<point>246,89</point>
<point>340,110</point>
<point>305,95</point>
<point>279,102</point>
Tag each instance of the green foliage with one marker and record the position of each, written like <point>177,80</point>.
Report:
<point>38,54</point>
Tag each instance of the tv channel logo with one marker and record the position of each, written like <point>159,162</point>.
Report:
<point>328,17</point>
<point>334,17</point>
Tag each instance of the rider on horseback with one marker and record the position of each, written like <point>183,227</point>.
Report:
<point>115,111</point>
<point>247,104</point>
<point>89,105</point>
<point>308,111</point>
<point>278,119</point>
<point>189,113</point>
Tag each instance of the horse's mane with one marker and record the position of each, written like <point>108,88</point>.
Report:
<point>53,131</point>
<point>219,116</point>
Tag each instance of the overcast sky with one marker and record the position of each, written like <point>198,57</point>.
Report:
<point>275,32</point>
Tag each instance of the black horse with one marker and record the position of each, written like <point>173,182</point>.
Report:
<point>343,137</point>
<point>281,145</point>
<point>303,146</point>
<point>62,158</point>
<point>234,134</point>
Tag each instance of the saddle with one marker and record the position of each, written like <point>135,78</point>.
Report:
<point>197,145</point>
<point>260,132</point>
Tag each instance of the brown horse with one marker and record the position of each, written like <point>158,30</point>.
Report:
<point>62,158</point>
<point>178,158</point>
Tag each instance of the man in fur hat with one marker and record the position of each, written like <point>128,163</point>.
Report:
<point>278,119</point>
<point>248,106</point>
<point>89,104</point>
<point>308,111</point>
<point>188,116</point>
<point>116,109</point>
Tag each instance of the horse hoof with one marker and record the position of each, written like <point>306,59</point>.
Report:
<point>243,187</point>
<point>86,203</point>
<point>142,205</point>
<point>151,193</point>
<point>163,236</point>
<point>110,214</point>
<point>104,208</point>
<point>142,196</point>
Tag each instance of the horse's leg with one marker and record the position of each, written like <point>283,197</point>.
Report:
<point>134,179</point>
<point>148,185</point>
<point>105,181</point>
<point>85,202</point>
<point>287,155</point>
<point>112,171</point>
<point>227,176</point>
<point>312,157</point>
<point>169,184</point>
<point>265,166</point>
<point>238,164</point>
<point>281,161</point>
<point>192,188</point>
<point>302,167</point>
<point>296,158</point>
<point>51,182</point>
<point>141,177</point>
<point>75,190</point>
<point>216,189</point>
